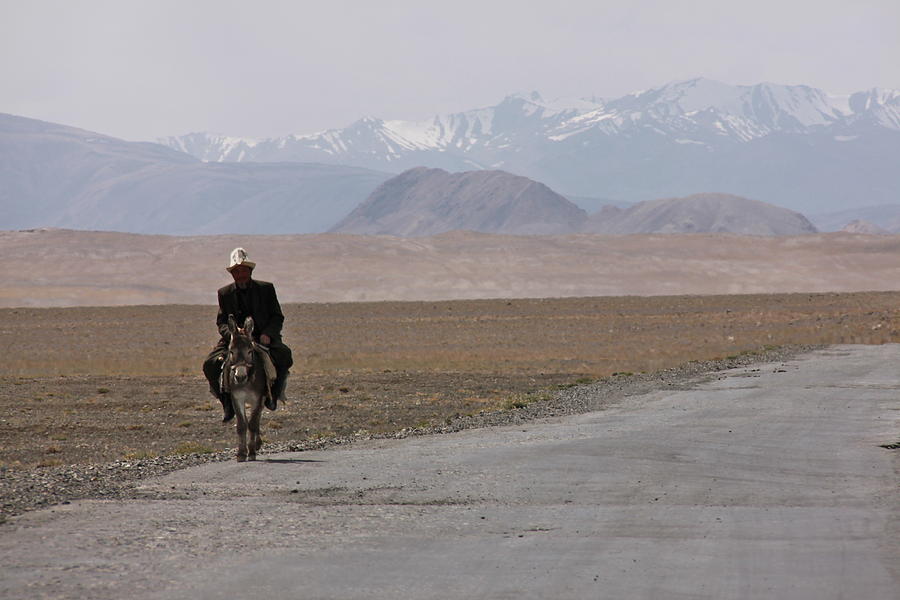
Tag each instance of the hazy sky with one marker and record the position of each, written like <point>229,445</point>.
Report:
<point>146,69</point>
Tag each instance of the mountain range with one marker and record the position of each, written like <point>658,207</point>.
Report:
<point>646,162</point>
<point>789,145</point>
<point>57,176</point>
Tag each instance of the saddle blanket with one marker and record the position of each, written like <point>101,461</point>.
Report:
<point>269,366</point>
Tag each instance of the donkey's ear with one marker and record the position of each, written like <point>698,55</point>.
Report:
<point>232,326</point>
<point>248,326</point>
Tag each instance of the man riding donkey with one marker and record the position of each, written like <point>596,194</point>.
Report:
<point>247,297</point>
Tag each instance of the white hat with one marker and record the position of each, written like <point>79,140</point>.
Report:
<point>239,258</point>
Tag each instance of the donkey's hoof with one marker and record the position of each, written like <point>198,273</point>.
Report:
<point>251,457</point>
<point>240,458</point>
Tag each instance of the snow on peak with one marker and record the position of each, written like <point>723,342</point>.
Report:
<point>698,94</point>
<point>863,101</point>
<point>552,107</point>
<point>211,147</point>
<point>771,104</point>
<point>532,96</point>
<point>368,121</point>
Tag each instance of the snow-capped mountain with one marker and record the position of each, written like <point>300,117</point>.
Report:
<point>791,145</point>
<point>393,144</point>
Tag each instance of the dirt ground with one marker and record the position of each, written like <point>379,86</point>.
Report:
<point>91,385</point>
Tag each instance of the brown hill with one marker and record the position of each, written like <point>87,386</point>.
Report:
<point>77,268</point>
<point>424,201</point>
<point>860,226</point>
<point>701,213</point>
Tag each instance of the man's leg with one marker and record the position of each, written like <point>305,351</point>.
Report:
<point>212,368</point>
<point>282,359</point>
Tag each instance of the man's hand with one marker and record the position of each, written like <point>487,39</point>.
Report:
<point>265,340</point>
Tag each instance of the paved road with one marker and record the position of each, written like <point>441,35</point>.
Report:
<point>766,482</point>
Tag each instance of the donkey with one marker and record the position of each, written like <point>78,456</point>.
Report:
<point>244,377</point>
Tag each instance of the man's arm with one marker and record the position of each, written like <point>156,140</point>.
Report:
<point>276,317</point>
<point>222,318</point>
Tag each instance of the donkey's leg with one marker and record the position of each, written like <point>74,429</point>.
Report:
<point>255,441</point>
<point>241,413</point>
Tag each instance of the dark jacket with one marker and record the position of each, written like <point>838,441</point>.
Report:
<point>259,301</point>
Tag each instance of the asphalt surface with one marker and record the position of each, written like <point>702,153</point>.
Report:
<point>766,482</point>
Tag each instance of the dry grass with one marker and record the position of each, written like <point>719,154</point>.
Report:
<point>96,384</point>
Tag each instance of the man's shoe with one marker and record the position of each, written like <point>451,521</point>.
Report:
<point>227,407</point>
<point>277,393</point>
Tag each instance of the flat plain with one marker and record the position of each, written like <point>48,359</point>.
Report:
<point>94,384</point>
<point>89,268</point>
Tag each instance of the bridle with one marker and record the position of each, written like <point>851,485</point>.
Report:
<point>233,365</point>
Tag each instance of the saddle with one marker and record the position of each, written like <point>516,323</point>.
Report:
<point>268,365</point>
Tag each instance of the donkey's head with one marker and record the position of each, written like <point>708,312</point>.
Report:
<point>240,349</point>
